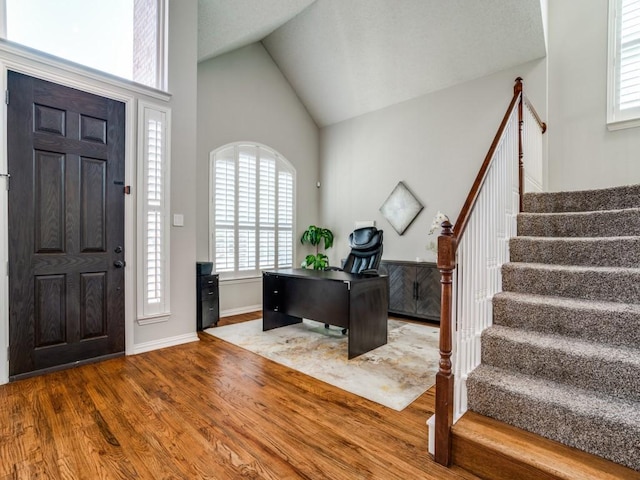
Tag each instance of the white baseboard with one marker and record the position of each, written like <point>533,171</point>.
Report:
<point>238,311</point>
<point>431,424</point>
<point>165,342</point>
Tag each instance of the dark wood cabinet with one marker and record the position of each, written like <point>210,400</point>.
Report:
<point>208,306</point>
<point>414,288</point>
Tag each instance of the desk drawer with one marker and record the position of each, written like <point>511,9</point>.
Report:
<point>207,281</point>
<point>207,293</point>
<point>208,287</point>
<point>210,312</point>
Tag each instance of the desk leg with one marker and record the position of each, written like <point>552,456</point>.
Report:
<point>271,320</point>
<point>368,316</point>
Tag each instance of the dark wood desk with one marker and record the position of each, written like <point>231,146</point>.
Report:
<point>357,302</point>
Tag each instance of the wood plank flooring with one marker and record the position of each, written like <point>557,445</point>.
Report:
<point>206,409</point>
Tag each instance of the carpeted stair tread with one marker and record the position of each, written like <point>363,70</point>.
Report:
<point>596,423</point>
<point>612,323</point>
<point>627,196</point>
<point>603,223</point>
<point>596,251</point>
<point>562,359</point>
<point>616,370</point>
<point>613,284</point>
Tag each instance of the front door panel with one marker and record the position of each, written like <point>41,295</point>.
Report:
<point>66,220</point>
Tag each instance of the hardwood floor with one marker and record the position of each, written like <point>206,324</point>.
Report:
<point>206,409</point>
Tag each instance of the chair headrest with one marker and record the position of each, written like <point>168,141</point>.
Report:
<point>365,238</point>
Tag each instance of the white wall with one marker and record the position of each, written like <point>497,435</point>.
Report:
<point>243,96</point>
<point>435,144</point>
<point>582,152</point>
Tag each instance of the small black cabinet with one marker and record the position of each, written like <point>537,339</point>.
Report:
<point>208,306</point>
<point>414,288</point>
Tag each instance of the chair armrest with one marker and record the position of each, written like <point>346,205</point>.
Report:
<point>369,271</point>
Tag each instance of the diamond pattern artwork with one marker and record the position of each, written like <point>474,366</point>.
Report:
<point>400,208</point>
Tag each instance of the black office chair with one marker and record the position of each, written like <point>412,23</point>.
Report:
<point>366,251</point>
<point>365,255</point>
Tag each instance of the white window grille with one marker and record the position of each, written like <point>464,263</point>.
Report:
<point>154,128</point>
<point>252,192</point>
<point>623,109</point>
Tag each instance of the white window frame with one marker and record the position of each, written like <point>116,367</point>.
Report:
<point>282,164</point>
<point>155,309</point>
<point>616,117</point>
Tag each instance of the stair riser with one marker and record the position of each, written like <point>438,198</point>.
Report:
<point>619,377</point>
<point>621,252</point>
<point>603,326</point>
<point>581,201</point>
<point>595,224</point>
<point>591,433</point>
<point>606,285</point>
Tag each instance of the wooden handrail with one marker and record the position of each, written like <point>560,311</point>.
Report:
<point>472,197</point>
<point>541,124</point>
<point>448,243</point>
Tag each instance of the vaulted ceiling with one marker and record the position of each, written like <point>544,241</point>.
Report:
<point>345,58</point>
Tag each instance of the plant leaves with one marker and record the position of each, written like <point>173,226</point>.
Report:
<point>317,262</point>
<point>314,235</point>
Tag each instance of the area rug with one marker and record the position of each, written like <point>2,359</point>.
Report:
<point>393,375</point>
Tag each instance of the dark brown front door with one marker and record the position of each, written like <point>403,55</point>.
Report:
<point>66,226</point>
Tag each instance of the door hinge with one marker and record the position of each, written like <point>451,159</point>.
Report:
<point>6,97</point>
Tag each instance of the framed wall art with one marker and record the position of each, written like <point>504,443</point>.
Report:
<point>400,208</point>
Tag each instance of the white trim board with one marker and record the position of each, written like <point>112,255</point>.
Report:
<point>165,342</point>
<point>240,310</point>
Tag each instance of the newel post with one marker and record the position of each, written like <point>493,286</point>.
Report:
<point>517,89</point>
<point>444,377</point>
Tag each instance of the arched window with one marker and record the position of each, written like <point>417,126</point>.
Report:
<point>251,210</point>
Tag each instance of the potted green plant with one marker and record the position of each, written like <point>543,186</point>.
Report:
<point>315,236</point>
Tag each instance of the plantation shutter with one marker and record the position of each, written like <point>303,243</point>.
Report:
<point>629,69</point>
<point>154,210</point>
<point>285,219</point>
<point>224,211</point>
<point>252,204</point>
<point>623,108</point>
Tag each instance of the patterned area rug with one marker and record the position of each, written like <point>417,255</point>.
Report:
<point>393,375</point>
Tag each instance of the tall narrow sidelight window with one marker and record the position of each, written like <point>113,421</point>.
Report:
<point>623,109</point>
<point>252,195</point>
<point>153,211</point>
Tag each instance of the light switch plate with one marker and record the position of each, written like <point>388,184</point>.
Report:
<point>178,220</point>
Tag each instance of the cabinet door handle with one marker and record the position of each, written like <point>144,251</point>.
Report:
<point>415,290</point>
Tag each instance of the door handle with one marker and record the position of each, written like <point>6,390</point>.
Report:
<point>118,264</point>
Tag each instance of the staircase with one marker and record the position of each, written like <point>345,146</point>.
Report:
<point>562,359</point>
